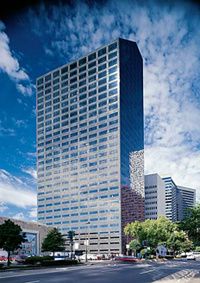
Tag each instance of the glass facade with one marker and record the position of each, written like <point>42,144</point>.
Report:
<point>84,113</point>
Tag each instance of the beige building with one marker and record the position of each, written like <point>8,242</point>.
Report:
<point>35,233</point>
<point>154,196</point>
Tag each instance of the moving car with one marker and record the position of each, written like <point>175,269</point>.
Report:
<point>126,258</point>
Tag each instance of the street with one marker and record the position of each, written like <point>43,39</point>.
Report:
<point>110,272</point>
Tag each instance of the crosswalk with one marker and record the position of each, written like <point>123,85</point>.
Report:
<point>181,276</point>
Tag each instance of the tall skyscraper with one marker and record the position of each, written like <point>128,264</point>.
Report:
<point>90,146</point>
<point>154,196</point>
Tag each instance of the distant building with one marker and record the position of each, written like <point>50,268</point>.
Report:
<point>35,233</point>
<point>186,198</point>
<point>164,197</point>
<point>178,199</point>
<point>170,199</point>
<point>154,196</point>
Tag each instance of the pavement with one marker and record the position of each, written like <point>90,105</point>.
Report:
<point>182,271</point>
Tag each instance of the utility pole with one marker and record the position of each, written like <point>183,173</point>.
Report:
<point>71,235</point>
<point>87,243</point>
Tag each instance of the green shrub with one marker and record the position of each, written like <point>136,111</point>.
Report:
<point>58,262</point>
<point>1,265</point>
<point>37,259</point>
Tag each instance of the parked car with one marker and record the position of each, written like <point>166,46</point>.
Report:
<point>89,257</point>
<point>196,254</point>
<point>191,257</point>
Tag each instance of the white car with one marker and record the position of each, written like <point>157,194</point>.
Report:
<point>191,257</point>
<point>89,257</point>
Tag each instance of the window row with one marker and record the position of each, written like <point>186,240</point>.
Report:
<point>87,76</point>
<point>91,83</point>
<point>81,62</point>
<point>65,106</point>
<point>82,87</point>
<point>68,113</point>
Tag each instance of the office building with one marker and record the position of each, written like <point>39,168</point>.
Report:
<point>186,198</point>
<point>170,199</point>
<point>154,196</point>
<point>90,146</point>
<point>178,199</point>
<point>164,198</point>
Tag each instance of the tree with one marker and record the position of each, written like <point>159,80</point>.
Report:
<point>178,241</point>
<point>71,235</point>
<point>136,231</point>
<point>152,233</point>
<point>54,242</point>
<point>11,237</point>
<point>135,246</point>
<point>191,224</point>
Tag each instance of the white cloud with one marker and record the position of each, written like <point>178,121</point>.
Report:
<point>48,51</point>
<point>19,216</point>
<point>19,123</point>
<point>31,171</point>
<point>33,213</point>
<point>3,207</point>
<point>4,131</point>
<point>25,90</point>
<point>31,154</point>
<point>9,64</point>
<point>15,192</point>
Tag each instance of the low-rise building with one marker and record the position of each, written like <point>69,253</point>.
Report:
<point>35,234</point>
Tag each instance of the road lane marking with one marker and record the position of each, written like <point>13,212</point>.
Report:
<point>56,270</point>
<point>147,271</point>
<point>185,275</point>
<point>36,281</point>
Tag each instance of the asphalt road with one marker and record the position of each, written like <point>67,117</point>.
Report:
<point>110,272</point>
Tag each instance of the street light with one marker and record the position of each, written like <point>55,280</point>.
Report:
<point>127,249</point>
<point>87,243</point>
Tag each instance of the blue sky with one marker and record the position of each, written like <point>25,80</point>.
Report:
<point>40,38</point>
